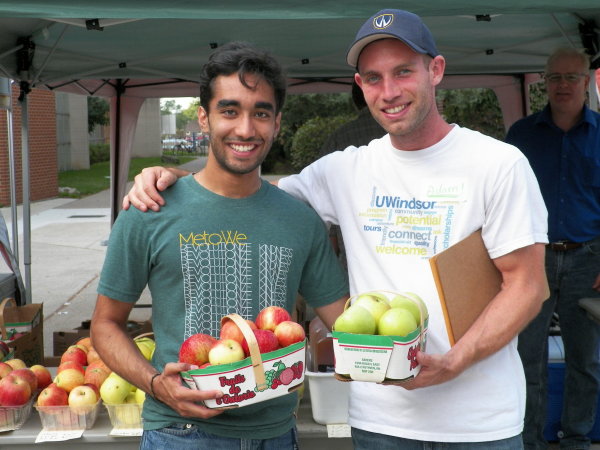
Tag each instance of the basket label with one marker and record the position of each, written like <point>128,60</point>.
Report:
<point>283,371</point>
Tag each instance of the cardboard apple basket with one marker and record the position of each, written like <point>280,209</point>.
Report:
<point>254,379</point>
<point>379,359</point>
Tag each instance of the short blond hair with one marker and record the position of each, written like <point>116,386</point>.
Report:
<point>568,52</point>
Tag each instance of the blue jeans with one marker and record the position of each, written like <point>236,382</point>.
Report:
<point>570,275</point>
<point>183,436</point>
<point>365,440</point>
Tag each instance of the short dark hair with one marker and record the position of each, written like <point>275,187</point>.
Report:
<point>243,58</point>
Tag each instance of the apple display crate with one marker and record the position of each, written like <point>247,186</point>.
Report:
<point>13,417</point>
<point>61,418</point>
<point>376,358</point>
<point>125,415</point>
<point>254,379</point>
<point>328,398</point>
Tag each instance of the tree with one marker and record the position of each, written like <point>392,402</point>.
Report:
<point>98,108</point>
<point>169,107</point>
<point>475,108</point>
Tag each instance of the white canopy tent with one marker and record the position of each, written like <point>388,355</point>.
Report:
<point>129,51</point>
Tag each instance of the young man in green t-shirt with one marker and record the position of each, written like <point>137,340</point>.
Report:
<point>227,242</point>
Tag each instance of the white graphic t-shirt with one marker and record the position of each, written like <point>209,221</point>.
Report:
<point>396,209</point>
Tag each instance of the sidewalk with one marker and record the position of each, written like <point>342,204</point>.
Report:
<point>68,245</point>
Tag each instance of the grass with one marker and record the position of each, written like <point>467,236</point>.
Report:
<point>97,177</point>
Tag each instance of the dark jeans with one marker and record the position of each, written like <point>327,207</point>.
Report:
<point>570,275</point>
<point>365,440</point>
<point>189,437</point>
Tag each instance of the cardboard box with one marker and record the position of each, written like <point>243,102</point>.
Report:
<point>379,359</point>
<point>259,377</point>
<point>328,398</point>
<point>22,328</point>
<point>63,339</point>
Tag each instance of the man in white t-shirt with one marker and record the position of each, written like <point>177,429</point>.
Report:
<point>403,198</point>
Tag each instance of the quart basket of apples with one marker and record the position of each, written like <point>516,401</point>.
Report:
<point>378,335</point>
<point>252,361</point>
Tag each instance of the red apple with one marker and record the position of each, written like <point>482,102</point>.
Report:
<point>95,376</point>
<point>70,365</point>
<point>95,388</point>
<point>92,356</point>
<point>98,364</point>
<point>266,339</point>
<point>289,333</point>
<point>230,330</point>
<point>52,395</point>
<point>194,349</point>
<point>270,317</point>
<point>85,342</point>
<point>43,375</point>
<point>74,353</point>
<point>16,363</point>
<point>69,379</point>
<point>29,376</point>
<point>82,399</point>
<point>225,352</point>
<point>14,390</point>
<point>204,366</point>
<point>5,369</point>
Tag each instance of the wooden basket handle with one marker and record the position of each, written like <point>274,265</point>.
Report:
<point>257,365</point>
<point>2,322</point>
<point>150,333</point>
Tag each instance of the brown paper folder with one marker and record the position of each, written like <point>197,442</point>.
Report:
<point>466,280</point>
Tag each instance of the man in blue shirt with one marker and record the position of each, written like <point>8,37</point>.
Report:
<point>562,143</point>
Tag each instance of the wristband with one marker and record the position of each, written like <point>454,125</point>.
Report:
<point>152,383</point>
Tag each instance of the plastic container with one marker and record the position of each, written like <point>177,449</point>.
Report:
<point>125,415</point>
<point>58,418</point>
<point>13,417</point>
<point>328,398</point>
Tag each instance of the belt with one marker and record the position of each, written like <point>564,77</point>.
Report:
<point>563,246</point>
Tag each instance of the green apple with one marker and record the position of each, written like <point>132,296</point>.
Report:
<point>140,396</point>
<point>375,304</point>
<point>355,319</point>
<point>115,389</point>
<point>409,303</point>
<point>146,346</point>
<point>396,322</point>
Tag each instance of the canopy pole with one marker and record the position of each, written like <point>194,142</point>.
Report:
<point>115,163</point>
<point>6,103</point>
<point>26,191</point>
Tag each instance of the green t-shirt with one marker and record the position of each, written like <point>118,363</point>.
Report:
<point>204,256</point>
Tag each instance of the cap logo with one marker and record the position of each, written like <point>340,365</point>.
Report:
<point>383,21</point>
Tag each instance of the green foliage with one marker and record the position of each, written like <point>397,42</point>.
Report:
<point>98,109</point>
<point>99,153</point>
<point>298,109</point>
<point>537,96</point>
<point>97,177</point>
<point>169,107</point>
<point>310,137</point>
<point>190,114</point>
<point>476,108</point>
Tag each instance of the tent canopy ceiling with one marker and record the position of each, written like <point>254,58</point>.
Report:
<point>144,41</point>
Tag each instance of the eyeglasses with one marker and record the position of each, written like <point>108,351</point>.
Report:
<point>570,78</point>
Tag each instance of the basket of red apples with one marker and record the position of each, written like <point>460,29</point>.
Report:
<point>19,386</point>
<point>252,361</point>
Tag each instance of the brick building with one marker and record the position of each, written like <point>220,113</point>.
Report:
<point>43,174</point>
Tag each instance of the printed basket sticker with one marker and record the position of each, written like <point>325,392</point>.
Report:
<point>283,370</point>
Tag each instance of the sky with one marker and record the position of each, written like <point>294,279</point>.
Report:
<point>183,101</point>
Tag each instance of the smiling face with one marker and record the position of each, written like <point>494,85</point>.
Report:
<point>399,88</point>
<point>242,123</point>
<point>567,97</point>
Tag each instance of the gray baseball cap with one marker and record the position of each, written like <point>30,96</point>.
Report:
<point>393,23</point>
